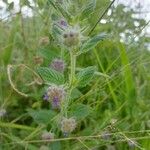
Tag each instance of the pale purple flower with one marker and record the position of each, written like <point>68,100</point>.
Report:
<point>45,97</point>
<point>56,95</point>
<point>63,23</point>
<point>58,65</point>
<point>55,103</point>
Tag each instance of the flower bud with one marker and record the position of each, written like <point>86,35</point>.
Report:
<point>47,136</point>
<point>38,60</point>
<point>44,40</point>
<point>63,23</point>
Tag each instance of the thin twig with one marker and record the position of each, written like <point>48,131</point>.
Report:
<point>105,11</point>
<point>81,137</point>
<point>9,67</point>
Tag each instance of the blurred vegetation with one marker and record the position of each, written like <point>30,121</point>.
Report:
<point>124,57</point>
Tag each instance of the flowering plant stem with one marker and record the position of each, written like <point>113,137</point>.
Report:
<point>73,67</point>
<point>71,79</point>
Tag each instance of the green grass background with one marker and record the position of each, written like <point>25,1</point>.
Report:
<point>124,95</point>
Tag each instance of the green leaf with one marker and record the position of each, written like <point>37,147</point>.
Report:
<point>41,116</point>
<point>89,8</point>
<point>128,75</point>
<point>75,94</point>
<point>61,8</point>
<point>91,43</point>
<point>48,53</point>
<point>10,6</point>
<point>25,3</point>
<point>55,145</point>
<point>50,75</point>
<point>80,111</point>
<point>56,31</point>
<point>85,76</point>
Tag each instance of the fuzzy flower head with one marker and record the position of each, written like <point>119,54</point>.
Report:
<point>55,95</point>
<point>71,37</point>
<point>68,125</point>
<point>58,65</point>
<point>47,135</point>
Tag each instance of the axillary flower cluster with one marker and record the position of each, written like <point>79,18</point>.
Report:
<point>55,95</point>
<point>71,37</point>
<point>68,125</point>
<point>58,65</point>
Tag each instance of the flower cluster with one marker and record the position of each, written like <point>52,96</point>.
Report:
<point>38,60</point>
<point>58,65</point>
<point>71,37</point>
<point>44,40</point>
<point>68,125</point>
<point>55,95</point>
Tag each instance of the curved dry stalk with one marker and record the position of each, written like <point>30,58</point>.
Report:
<point>11,82</point>
<point>38,80</point>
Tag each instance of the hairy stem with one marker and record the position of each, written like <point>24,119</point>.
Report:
<point>71,80</point>
<point>73,67</point>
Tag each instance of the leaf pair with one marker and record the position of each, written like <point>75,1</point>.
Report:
<point>51,76</point>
